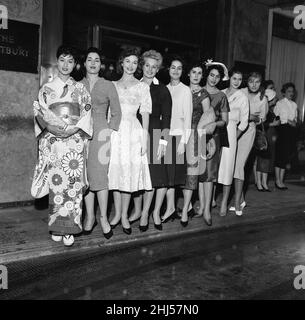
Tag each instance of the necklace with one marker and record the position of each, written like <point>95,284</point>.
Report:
<point>195,90</point>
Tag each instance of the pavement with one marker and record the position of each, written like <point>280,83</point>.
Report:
<point>24,235</point>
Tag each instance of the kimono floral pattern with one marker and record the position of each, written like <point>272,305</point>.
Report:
<point>63,160</point>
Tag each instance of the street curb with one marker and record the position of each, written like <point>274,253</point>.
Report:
<point>49,248</point>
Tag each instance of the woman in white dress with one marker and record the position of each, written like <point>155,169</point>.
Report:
<point>258,110</point>
<point>238,122</point>
<point>128,167</point>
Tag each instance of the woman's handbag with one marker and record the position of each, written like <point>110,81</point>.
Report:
<point>223,136</point>
<point>260,141</point>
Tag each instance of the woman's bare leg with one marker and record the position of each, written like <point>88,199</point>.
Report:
<point>102,197</point>
<point>117,198</point>
<point>160,195</point>
<point>148,196</point>
<point>90,215</point>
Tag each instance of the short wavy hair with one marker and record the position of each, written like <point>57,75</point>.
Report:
<point>258,75</point>
<point>215,67</point>
<point>152,54</point>
<point>127,53</point>
<point>67,51</point>
<point>286,86</point>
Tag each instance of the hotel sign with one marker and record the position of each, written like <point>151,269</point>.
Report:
<point>19,47</point>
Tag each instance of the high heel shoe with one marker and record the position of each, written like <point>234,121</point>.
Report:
<point>113,226</point>
<point>128,231</point>
<point>143,228</point>
<point>158,227</point>
<point>208,222</point>
<point>184,223</point>
<point>133,221</point>
<point>280,188</point>
<point>108,235</point>
<point>242,206</point>
<point>87,232</point>
<point>260,190</point>
<point>172,217</point>
<point>266,189</point>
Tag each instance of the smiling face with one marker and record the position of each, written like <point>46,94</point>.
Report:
<point>65,64</point>
<point>175,70</point>
<point>213,78</point>
<point>196,75</point>
<point>236,80</point>
<point>130,64</point>
<point>93,63</point>
<point>150,68</point>
<point>254,84</point>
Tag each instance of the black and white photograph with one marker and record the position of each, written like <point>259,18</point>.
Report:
<point>152,153</point>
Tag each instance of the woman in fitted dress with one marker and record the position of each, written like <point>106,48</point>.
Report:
<point>103,96</point>
<point>128,169</point>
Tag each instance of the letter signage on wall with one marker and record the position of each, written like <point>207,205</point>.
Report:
<point>19,47</point>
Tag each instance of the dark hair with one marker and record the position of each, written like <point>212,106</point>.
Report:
<point>235,71</point>
<point>177,58</point>
<point>215,67</point>
<point>66,51</point>
<point>93,50</point>
<point>267,83</point>
<point>194,65</point>
<point>261,89</point>
<point>127,53</point>
<point>286,86</point>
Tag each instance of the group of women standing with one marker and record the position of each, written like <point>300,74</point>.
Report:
<point>141,139</point>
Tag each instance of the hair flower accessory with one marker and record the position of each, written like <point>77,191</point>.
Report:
<point>210,62</point>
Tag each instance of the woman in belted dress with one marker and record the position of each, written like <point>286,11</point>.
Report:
<point>103,96</point>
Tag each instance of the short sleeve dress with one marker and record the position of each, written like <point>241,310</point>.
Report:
<point>128,169</point>
<point>104,96</point>
<point>220,104</point>
<point>192,146</point>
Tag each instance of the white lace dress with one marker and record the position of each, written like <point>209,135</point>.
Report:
<point>128,169</point>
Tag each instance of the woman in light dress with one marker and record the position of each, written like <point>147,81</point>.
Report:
<point>128,168</point>
<point>238,123</point>
<point>258,111</point>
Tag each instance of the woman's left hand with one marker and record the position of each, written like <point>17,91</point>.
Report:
<point>161,151</point>
<point>181,148</point>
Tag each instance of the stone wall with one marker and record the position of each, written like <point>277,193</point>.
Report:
<point>17,92</point>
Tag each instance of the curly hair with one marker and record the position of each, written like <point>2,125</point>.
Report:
<point>195,64</point>
<point>127,53</point>
<point>235,71</point>
<point>215,67</point>
<point>286,86</point>
<point>93,50</point>
<point>67,51</point>
<point>152,54</point>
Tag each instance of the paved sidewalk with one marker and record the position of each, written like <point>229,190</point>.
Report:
<point>23,231</point>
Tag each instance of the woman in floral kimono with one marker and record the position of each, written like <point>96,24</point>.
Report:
<point>62,126</point>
